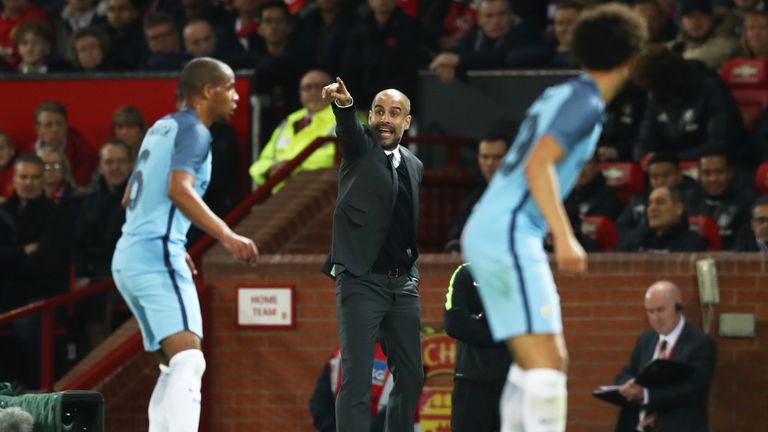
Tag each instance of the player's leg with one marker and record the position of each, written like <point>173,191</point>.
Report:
<point>129,285</point>
<point>511,404</point>
<point>169,312</point>
<point>156,413</point>
<point>180,331</point>
<point>540,351</point>
<point>542,360</point>
<point>186,366</point>
<point>522,305</point>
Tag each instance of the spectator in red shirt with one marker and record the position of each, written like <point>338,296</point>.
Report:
<point>16,12</point>
<point>53,132</point>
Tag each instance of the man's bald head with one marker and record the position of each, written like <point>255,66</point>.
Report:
<point>393,94</point>
<point>666,290</point>
<point>663,301</point>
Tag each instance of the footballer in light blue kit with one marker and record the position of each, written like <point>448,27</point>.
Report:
<point>504,235</point>
<point>503,238</point>
<point>152,250</point>
<point>150,266</point>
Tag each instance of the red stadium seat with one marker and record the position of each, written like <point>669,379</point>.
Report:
<point>625,177</point>
<point>761,178</point>
<point>748,81</point>
<point>707,229</point>
<point>745,72</point>
<point>601,230</point>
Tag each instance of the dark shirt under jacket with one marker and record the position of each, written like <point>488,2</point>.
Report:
<point>399,247</point>
<point>44,273</point>
<point>704,115</point>
<point>731,211</point>
<point>678,239</point>
<point>680,406</point>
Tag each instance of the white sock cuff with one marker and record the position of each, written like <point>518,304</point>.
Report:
<point>544,382</point>
<point>516,375</point>
<point>191,359</point>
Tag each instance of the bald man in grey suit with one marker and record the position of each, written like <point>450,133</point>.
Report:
<point>373,256</point>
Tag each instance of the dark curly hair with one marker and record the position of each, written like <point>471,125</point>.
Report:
<point>606,36</point>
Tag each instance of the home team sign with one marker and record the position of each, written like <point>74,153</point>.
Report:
<point>265,306</point>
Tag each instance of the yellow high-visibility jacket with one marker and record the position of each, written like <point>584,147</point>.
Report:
<point>285,144</point>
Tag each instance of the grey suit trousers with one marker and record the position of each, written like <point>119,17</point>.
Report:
<point>370,306</point>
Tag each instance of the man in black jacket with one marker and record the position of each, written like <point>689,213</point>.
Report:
<point>680,405</point>
<point>720,197</point>
<point>667,229</point>
<point>481,363</point>
<point>373,256</point>
<point>689,109</point>
<point>34,254</point>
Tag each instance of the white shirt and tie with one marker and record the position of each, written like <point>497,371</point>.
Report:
<point>663,350</point>
<point>394,156</point>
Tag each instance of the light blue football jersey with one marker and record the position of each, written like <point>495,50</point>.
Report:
<point>154,234</point>
<point>572,114</point>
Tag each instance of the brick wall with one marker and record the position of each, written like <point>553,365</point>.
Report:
<point>261,380</point>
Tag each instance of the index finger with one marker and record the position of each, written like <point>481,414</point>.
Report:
<point>340,82</point>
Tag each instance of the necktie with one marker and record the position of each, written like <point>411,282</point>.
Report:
<point>663,350</point>
<point>301,124</point>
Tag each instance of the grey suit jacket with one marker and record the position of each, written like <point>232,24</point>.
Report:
<point>680,406</point>
<point>367,193</point>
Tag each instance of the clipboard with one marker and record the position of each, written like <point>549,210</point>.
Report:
<point>655,374</point>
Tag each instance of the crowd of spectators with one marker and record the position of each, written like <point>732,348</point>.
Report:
<point>677,110</point>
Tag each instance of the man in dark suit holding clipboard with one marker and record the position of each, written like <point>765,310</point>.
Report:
<point>681,404</point>
<point>373,256</point>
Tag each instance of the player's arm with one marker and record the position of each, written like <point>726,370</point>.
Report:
<point>542,182</point>
<point>181,191</point>
<point>126,197</point>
